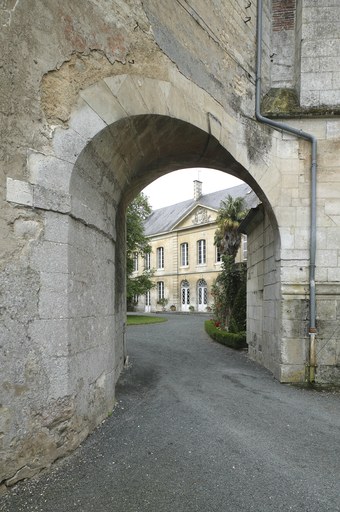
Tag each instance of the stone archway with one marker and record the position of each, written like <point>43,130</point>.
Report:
<point>125,132</point>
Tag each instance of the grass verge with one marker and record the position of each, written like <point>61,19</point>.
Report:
<point>143,319</point>
<point>230,339</point>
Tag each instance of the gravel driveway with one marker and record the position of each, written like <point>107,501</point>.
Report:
<point>197,427</point>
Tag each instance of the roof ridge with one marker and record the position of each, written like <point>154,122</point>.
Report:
<point>193,201</point>
<point>164,219</point>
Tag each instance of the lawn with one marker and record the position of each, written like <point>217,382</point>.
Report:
<point>143,319</point>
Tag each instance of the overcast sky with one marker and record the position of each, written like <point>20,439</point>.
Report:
<point>178,186</point>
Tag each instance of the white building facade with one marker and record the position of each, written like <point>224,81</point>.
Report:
<point>184,259</point>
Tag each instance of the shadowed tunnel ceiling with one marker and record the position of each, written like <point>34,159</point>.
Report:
<point>139,149</point>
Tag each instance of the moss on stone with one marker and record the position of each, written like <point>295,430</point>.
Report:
<point>280,101</point>
<point>283,102</point>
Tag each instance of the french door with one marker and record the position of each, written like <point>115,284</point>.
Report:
<point>148,302</point>
<point>202,295</point>
<point>185,295</point>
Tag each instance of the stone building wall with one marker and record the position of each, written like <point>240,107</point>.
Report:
<point>305,51</point>
<point>320,53</point>
<point>283,43</point>
<point>173,273</point>
<point>264,295</point>
<point>97,100</point>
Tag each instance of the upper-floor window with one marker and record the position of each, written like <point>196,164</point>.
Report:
<point>160,290</point>
<point>135,261</point>
<point>244,247</point>
<point>201,252</point>
<point>218,255</point>
<point>160,257</point>
<point>147,261</point>
<point>184,255</point>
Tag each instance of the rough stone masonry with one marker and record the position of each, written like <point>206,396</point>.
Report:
<point>97,100</point>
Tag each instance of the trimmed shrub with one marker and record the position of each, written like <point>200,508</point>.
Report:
<point>230,339</point>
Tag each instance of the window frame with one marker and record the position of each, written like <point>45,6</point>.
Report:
<point>201,252</point>
<point>147,261</point>
<point>184,254</point>
<point>135,261</point>
<point>160,258</point>
<point>244,248</point>
<point>160,290</point>
<point>218,255</point>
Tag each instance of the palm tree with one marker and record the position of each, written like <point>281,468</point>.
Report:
<point>227,237</point>
<point>228,283</point>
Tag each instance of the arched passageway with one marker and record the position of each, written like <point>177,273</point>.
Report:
<point>99,101</point>
<point>125,132</point>
<point>119,162</point>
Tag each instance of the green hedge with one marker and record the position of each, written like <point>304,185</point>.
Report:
<point>230,339</point>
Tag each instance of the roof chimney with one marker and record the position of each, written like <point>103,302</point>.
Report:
<point>197,189</point>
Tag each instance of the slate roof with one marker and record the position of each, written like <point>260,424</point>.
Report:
<point>164,219</point>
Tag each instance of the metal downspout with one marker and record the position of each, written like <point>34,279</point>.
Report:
<point>299,133</point>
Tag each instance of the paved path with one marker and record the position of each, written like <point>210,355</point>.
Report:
<point>198,428</point>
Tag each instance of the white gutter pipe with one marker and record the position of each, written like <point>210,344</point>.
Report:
<point>311,364</point>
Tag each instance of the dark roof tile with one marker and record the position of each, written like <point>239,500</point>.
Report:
<point>163,219</point>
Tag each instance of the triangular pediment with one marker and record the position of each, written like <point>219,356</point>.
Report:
<point>199,215</point>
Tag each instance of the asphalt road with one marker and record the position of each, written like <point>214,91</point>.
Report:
<point>197,428</point>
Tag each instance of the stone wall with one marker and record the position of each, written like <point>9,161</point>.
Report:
<point>320,53</point>
<point>283,43</point>
<point>264,294</point>
<point>97,100</point>
<point>305,51</point>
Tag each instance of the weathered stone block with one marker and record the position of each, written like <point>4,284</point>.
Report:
<point>19,192</point>
<point>49,172</point>
<point>56,227</point>
<point>47,199</point>
<point>50,257</point>
<point>101,99</point>
<point>294,351</point>
<point>85,122</point>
